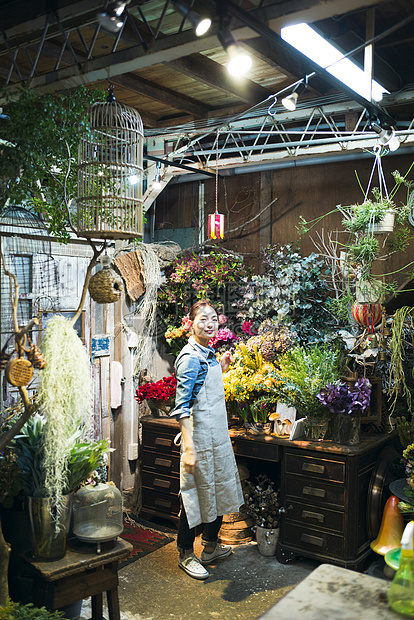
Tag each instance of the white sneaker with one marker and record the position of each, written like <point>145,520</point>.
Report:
<point>220,552</point>
<point>191,565</point>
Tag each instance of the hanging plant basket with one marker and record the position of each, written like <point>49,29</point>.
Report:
<point>105,287</point>
<point>386,225</point>
<point>366,314</point>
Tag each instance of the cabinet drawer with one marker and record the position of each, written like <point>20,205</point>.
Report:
<point>165,463</point>
<point>309,466</point>
<point>316,516</point>
<point>315,541</point>
<point>158,482</point>
<point>162,442</point>
<point>314,491</point>
<point>160,502</point>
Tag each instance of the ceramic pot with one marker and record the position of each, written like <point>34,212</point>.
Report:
<point>267,540</point>
<point>48,538</point>
<point>386,225</point>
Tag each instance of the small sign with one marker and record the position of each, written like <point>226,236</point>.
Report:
<point>99,345</point>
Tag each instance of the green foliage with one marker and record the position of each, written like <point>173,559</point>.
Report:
<point>293,291</point>
<point>366,214</point>
<point>365,251</point>
<point>191,277</point>
<point>18,611</point>
<point>38,166</point>
<point>303,371</point>
<point>341,307</point>
<point>405,430</point>
<point>81,459</point>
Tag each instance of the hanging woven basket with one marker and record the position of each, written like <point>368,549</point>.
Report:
<point>105,287</point>
<point>19,371</point>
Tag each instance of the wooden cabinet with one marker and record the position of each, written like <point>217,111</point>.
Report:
<point>329,492</point>
<point>333,495</point>
<point>160,468</point>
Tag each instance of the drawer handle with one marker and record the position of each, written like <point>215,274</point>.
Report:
<point>163,463</point>
<point>312,540</point>
<point>307,514</point>
<point>166,443</point>
<point>314,492</point>
<point>163,484</point>
<point>316,469</point>
<point>162,502</point>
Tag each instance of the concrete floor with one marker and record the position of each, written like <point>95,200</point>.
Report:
<point>240,587</point>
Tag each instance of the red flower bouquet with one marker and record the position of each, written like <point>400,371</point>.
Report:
<point>160,394</point>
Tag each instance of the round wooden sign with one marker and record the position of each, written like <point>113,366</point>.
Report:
<point>19,371</point>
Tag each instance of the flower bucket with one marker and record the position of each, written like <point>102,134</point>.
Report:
<point>48,539</point>
<point>316,428</point>
<point>267,540</point>
<point>386,225</point>
<point>346,429</point>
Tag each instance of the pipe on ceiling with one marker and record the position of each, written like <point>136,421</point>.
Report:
<point>281,165</point>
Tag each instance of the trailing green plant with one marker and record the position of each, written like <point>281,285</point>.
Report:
<point>18,611</point>
<point>65,399</point>
<point>402,329</point>
<point>405,429</point>
<point>302,373</point>
<point>80,459</point>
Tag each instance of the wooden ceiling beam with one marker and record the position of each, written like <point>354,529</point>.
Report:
<point>203,69</point>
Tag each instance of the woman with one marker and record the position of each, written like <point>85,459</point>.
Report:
<point>209,481</point>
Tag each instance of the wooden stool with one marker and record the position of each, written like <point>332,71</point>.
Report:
<point>81,573</point>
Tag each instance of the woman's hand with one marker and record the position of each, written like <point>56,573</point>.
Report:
<point>190,460</point>
<point>225,361</point>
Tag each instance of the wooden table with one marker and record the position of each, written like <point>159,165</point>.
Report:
<point>335,592</point>
<point>81,573</point>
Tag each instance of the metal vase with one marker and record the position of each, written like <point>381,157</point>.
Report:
<point>267,540</point>
<point>48,535</point>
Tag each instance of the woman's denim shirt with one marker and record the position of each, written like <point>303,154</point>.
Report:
<point>191,367</point>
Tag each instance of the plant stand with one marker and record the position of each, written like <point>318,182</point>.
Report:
<point>80,574</point>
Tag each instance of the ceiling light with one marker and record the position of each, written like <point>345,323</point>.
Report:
<point>386,136</point>
<point>200,24</point>
<point>157,181</point>
<point>112,18</point>
<point>290,101</point>
<point>240,62</point>
<point>133,179</point>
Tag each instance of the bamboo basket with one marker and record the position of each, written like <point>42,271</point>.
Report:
<point>110,173</point>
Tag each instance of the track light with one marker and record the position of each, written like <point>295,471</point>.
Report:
<point>112,18</point>
<point>240,62</point>
<point>157,181</point>
<point>386,136</point>
<point>291,100</point>
<point>200,24</point>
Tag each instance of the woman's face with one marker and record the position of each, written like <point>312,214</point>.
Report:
<point>205,325</point>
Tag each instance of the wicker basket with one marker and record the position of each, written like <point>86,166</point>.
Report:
<point>105,287</point>
<point>19,371</point>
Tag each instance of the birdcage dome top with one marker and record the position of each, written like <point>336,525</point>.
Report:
<point>17,220</point>
<point>114,114</point>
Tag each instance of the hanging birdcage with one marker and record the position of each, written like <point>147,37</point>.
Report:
<point>110,172</point>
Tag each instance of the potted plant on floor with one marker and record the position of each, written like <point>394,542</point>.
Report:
<point>262,503</point>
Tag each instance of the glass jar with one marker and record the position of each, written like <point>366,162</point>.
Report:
<point>97,513</point>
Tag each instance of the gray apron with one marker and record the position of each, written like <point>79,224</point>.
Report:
<point>214,490</point>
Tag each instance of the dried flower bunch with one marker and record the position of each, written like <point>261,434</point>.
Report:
<point>164,389</point>
<point>262,502</point>
<point>339,398</point>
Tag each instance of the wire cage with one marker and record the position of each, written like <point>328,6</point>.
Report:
<point>110,173</point>
<point>27,251</point>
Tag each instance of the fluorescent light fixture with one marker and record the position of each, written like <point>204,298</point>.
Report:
<point>315,47</point>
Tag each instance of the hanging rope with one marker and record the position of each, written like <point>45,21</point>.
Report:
<point>377,164</point>
<point>217,143</point>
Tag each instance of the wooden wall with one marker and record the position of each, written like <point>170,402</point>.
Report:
<point>307,190</point>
